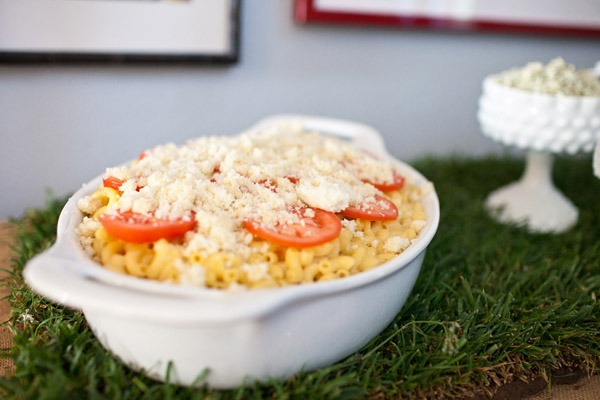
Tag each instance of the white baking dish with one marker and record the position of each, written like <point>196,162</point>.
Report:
<point>232,337</point>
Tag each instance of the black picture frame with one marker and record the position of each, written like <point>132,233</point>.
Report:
<point>113,31</point>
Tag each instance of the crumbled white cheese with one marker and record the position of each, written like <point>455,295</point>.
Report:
<point>327,193</point>
<point>256,272</point>
<point>118,172</point>
<point>88,226</point>
<point>190,274</point>
<point>86,230</point>
<point>351,225</point>
<point>418,224</point>
<point>396,244</point>
<point>89,204</point>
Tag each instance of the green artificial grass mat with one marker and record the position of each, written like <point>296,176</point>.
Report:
<point>493,303</point>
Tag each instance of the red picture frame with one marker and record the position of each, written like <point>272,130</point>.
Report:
<point>585,23</point>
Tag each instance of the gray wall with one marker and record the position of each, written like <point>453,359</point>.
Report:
<point>62,125</point>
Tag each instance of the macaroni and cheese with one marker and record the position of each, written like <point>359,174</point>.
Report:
<point>267,208</point>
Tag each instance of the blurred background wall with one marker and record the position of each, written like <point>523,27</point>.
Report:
<point>62,125</point>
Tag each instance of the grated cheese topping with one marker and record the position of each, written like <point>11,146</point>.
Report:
<point>261,175</point>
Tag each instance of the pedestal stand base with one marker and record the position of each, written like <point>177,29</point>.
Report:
<point>533,201</point>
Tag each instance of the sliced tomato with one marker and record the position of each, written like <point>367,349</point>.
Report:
<point>380,209</point>
<point>115,183</point>
<point>396,183</point>
<point>112,182</point>
<point>310,231</point>
<point>139,228</point>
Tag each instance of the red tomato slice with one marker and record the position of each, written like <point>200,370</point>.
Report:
<point>138,228</point>
<point>311,231</point>
<point>397,183</point>
<point>381,209</point>
<point>115,183</point>
<point>112,182</point>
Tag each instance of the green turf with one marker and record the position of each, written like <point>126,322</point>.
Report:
<point>493,303</point>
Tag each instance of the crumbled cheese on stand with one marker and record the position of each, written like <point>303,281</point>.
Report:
<point>557,78</point>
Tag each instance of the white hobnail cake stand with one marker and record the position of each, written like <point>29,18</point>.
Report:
<point>543,125</point>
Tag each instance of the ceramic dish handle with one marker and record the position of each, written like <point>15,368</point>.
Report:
<point>364,136</point>
<point>57,278</point>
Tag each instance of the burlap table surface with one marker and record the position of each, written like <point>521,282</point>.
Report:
<point>584,389</point>
<point>6,235</point>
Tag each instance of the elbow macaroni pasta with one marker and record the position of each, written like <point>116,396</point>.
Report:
<point>361,246</point>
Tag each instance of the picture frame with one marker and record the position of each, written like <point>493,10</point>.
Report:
<point>545,17</point>
<point>120,31</point>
